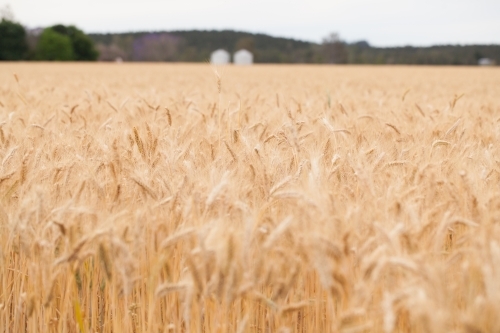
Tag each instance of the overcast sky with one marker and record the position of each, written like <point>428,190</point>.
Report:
<point>380,22</point>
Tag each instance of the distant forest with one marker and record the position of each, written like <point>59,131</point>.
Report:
<point>197,45</point>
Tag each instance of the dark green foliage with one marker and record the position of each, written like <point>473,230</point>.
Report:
<point>54,46</point>
<point>13,44</point>
<point>81,47</point>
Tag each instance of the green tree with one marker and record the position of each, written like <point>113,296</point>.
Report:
<point>54,46</point>
<point>13,44</point>
<point>83,47</point>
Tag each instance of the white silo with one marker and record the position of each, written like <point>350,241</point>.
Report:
<point>243,57</point>
<point>219,57</point>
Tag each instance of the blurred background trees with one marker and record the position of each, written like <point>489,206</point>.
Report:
<point>65,43</point>
<point>335,51</point>
<point>58,42</point>
<point>13,44</point>
<point>197,45</point>
<point>82,46</point>
<point>54,46</point>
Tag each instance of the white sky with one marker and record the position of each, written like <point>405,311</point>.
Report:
<point>380,22</point>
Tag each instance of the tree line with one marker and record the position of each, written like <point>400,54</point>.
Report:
<point>196,46</point>
<point>68,43</point>
<point>55,43</point>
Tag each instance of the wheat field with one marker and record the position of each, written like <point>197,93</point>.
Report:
<point>186,198</point>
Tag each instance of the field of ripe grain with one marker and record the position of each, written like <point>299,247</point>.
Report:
<point>162,198</point>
